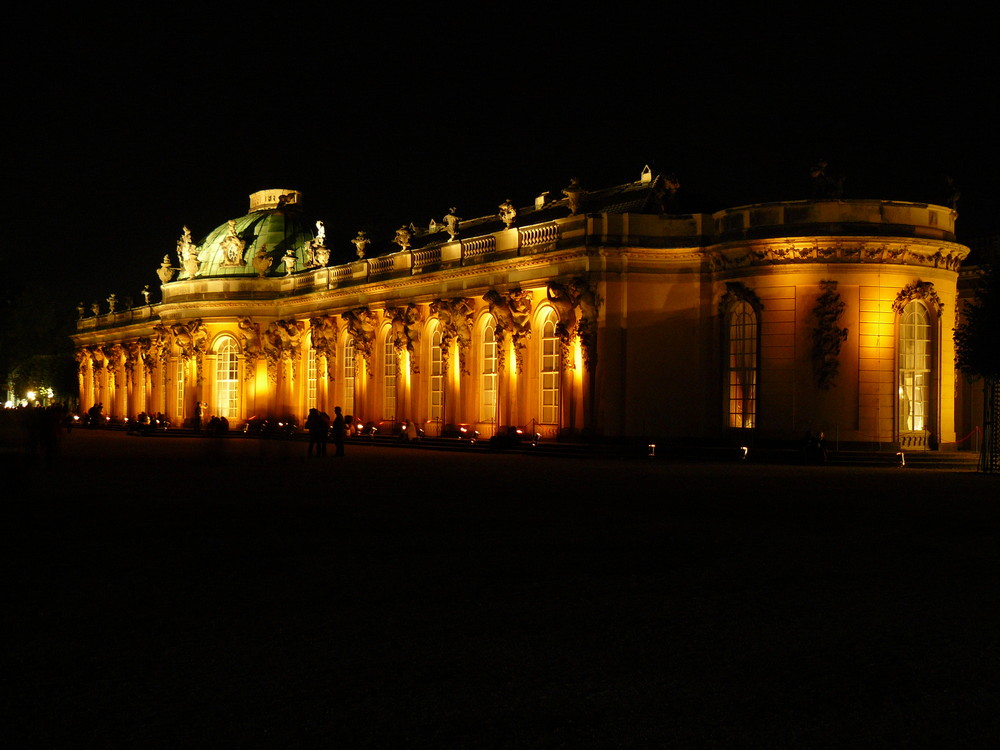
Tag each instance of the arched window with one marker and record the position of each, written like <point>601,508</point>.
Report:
<point>550,369</point>
<point>488,373</point>
<point>914,368</point>
<point>436,405</point>
<point>388,378</point>
<point>350,362</point>
<point>742,365</point>
<point>181,384</point>
<point>227,380</point>
<point>311,378</point>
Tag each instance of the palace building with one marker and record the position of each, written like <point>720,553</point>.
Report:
<point>596,314</point>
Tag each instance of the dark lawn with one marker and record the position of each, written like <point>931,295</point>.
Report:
<point>179,592</point>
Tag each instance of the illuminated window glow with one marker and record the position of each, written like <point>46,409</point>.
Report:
<point>742,365</point>
<point>227,380</point>
<point>914,367</point>
<point>550,370</point>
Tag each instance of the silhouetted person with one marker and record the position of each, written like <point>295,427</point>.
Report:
<point>318,429</point>
<point>338,430</point>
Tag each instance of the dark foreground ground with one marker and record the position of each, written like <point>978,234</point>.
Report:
<point>185,592</point>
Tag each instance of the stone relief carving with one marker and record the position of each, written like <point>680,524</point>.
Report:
<point>577,306</point>
<point>232,247</point>
<point>406,326</point>
<point>512,313</point>
<point>282,342</point>
<point>737,292</point>
<point>834,252</point>
<point>455,317</point>
<point>323,336</point>
<point>922,290</point>
<point>361,323</point>
<point>249,331</point>
<point>191,340</point>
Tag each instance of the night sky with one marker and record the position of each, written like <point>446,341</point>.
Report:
<point>123,128</point>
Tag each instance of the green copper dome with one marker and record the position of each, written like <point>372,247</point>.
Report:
<point>274,230</point>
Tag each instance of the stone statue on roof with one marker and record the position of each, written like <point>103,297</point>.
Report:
<point>508,213</point>
<point>262,262</point>
<point>451,223</point>
<point>361,243</point>
<point>184,246</point>
<point>403,237</point>
<point>289,260</point>
<point>574,195</point>
<point>165,272</point>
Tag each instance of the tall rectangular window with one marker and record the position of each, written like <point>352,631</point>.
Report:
<point>550,371</point>
<point>179,391</point>
<point>437,377</point>
<point>742,366</point>
<point>227,382</point>
<point>311,378</point>
<point>914,368</point>
<point>388,379</point>
<point>488,378</point>
<point>350,362</point>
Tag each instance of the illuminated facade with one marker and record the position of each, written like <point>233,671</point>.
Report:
<point>596,314</point>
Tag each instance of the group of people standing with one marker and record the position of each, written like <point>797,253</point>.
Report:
<point>321,430</point>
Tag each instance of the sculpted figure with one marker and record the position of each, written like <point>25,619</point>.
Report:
<point>145,293</point>
<point>262,262</point>
<point>455,316</point>
<point>508,311</point>
<point>560,298</point>
<point>81,310</point>
<point>165,272</point>
<point>184,246</point>
<point>190,338</point>
<point>95,308</point>
<point>512,313</point>
<point>318,254</point>
<point>323,336</point>
<point>508,213</point>
<point>361,324</point>
<point>403,237</point>
<point>574,194</point>
<point>250,333</point>
<point>112,302</point>
<point>191,264</point>
<point>361,243</point>
<point>406,326</point>
<point>451,222</point>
